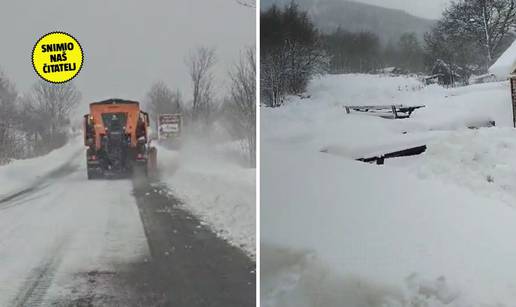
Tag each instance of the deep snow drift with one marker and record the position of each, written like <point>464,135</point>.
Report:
<point>430,230</point>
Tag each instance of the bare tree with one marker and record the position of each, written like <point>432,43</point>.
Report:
<point>243,101</point>
<point>200,64</point>
<point>473,31</point>
<point>490,21</point>
<point>50,105</point>
<point>162,100</point>
<point>8,114</point>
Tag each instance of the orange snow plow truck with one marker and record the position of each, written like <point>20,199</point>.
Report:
<point>116,133</point>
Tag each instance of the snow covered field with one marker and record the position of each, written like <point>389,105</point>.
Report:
<point>215,188</point>
<point>430,230</point>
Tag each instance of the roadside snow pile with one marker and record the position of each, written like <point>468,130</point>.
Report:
<point>432,230</point>
<point>382,90</point>
<point>216,189</point>
<point>21,174</point>
<point>466,106</point>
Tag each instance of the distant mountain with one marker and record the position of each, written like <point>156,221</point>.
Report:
<point>388,24</point>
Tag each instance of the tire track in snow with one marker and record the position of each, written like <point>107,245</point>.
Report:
<point>62,170</point>
<point>32,292</point>
<point>20,197</point>
<point>23,198</point>
<point>34,289</point>
<point>16,195</point>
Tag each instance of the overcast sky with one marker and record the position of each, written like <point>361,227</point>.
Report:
<point>424,8</point>
<point>128,44</point>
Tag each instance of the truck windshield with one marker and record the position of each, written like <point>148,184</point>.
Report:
<point>114,121</point>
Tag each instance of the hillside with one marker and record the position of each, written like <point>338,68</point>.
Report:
<point>389,24</point>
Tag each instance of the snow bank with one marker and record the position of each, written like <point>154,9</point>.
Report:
<point>505,64</point>
<point>383,225</point>
<point>431,230</point>
<point>466,106</point>
<point>382,90</point>
<point>321,121</point>
<point>215,188</point>
<point>483,161</point>
<point>21,174</point>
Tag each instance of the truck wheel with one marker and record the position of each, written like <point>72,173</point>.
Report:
<point>152,163</point>
<point>92,174</point>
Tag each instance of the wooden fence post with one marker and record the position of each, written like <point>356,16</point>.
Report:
<point>394,112</point>
<point>513,95</point>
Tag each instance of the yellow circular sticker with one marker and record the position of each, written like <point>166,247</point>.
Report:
<point>57,57</point>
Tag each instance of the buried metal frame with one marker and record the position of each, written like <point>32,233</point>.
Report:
<point>395,109</point>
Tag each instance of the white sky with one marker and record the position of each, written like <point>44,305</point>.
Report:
<point>423,8</point>
<point>128,44</point>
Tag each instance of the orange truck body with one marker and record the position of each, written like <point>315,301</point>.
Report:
<point>131,108</point>
<point>116,132</point>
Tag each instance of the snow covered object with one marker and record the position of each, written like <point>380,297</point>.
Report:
<point>448,75</point>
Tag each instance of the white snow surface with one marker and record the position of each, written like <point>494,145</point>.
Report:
<point>19,174</point>
<point>505,64</point>
<point>429,230</point>
<point>66,225</point>
<point>215,188</point>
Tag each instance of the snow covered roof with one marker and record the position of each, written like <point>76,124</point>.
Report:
<point>506,64</point>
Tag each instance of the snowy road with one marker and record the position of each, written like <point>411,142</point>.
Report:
<point>68,241</point>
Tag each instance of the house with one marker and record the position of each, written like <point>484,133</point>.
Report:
<point>505,68</point>
<point>505,65</point>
